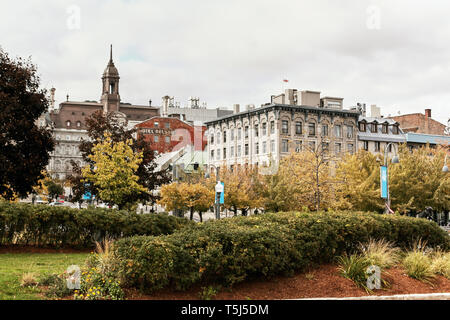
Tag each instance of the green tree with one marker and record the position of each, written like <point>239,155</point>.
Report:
<point>24,146</point>
<point>113,171</point>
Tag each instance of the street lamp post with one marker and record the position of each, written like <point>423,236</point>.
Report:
<point>445,167</point>
<point>394,160</point>
<point>217,197</point>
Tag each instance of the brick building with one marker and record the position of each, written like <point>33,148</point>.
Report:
<point>420,123</point>
<point>167,134</point>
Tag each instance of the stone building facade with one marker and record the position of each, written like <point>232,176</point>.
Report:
<point>262,136</point>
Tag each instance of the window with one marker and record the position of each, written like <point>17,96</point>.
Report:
<point>325,147</point>
<point>238,150</point>
<point>350,148</point>
<point>156,139</point>
<point>78,124</point>
<point>312,129</point>
<point>272,127</point>
<point>374,128</point>
<point>349,132</point>
<point>264,145</point>
<point>218,154</point>
<point>218,137</point>
<point>337,131</point>
<point>298,146</point>
<point>167,125</point>
<point>395,129</point>
<point>224,136</point>
<point>377,146</point>
<point>212,139</point>
<point>68,123</point>
<point>284,127</point>
<point>232,152</point>
<point>167,139</point>
<point>362,126</point>
<point>239,133</point>
<point>324,130</point>
<point>156,124</point>
<point>390,148</point>
<point>298,128</point>
<point>246,149</point>
<point>284,145</point>
<point>224,153</point>
<point>212,154</point>
<point>337,148</point>
<point>68,138</point>
<point>256,148</point>
<point>256,130</point>
<point>232,134</point>
<point>264,128</point>
<point>312,145</point>
<point>384,128</point>
<point>272,146</point>
<point>366,145</point>
<point>246,132</point>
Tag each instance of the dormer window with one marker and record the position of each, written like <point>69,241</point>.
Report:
<point>385,128</point>
<point>395,129</point>
<point>374,127</point>
<point>362,127</point>
<point>68,123</point>
<point>78,124</point>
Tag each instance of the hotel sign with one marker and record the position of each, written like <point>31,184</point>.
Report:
<point>162,132</point>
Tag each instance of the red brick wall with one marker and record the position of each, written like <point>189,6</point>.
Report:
<point>178,132</point>
<point>419,123</point>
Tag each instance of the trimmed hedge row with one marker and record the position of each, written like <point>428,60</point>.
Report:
<point>42,225</point>
<point>231,250</point>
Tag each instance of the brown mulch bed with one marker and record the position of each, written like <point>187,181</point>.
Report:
<point>33,249</point>
<point>322,282</point>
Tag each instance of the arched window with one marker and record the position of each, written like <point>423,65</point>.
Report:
<point>68,123</point>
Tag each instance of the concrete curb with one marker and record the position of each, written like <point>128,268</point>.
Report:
<point>425,296</point>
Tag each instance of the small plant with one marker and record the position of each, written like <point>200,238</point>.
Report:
<point>57,286</point>
<point>441,263</point>
<point>354,267</point>
<point>418,265</point>
<point>309,276</point>
<point>98,286</point>
<point>381,253</point>
<point>28,280</point>
<point>208,293</point>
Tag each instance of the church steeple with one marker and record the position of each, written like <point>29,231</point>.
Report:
<point>110,93</point>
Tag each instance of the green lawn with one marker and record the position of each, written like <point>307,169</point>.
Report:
<point>14,265</point>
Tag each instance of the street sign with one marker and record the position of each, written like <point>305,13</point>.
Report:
<point>384,181</point>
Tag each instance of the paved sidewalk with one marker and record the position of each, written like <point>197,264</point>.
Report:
<point>425,296</point>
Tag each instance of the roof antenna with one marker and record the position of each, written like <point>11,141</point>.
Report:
<point>110,54</point>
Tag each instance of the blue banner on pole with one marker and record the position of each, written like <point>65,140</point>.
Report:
<point>222,194</point>
<point>384,181</point>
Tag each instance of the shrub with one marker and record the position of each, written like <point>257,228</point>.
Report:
<point>381,253</point>
<point>354,267</point>
<point>228,251</point>
<point>28,280</point>
<point>441,263</point>
<point>42,225</point>
<point>418,265</point>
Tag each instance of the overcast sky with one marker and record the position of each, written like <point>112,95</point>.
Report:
<point>395,54</point>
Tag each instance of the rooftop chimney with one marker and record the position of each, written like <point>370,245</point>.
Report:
<point>150,102</point>
<point>428,113</point>
<point>236,108</point>
<point>165,106</point>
